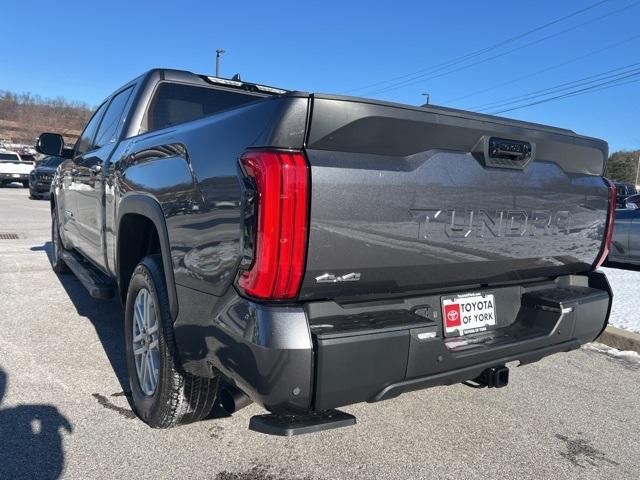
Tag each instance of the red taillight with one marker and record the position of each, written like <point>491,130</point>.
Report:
<point>608,235</point>
<point>282,182</point>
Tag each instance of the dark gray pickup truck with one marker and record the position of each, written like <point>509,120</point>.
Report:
<point>309,251</point>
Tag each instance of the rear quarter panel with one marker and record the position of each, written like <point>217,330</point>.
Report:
<point>192,171</point>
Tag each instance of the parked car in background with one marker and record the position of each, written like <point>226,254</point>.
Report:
<point>624,190</point>
<point>14,169</point>
<point>41,176</point>
<point>625,245</point>
<point>632,201</point>
<point>27,157</point>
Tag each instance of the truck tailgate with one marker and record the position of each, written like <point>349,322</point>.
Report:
<point>409,199</point>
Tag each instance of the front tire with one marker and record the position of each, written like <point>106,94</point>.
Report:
<point>163,394</point>
<point>57,263</point>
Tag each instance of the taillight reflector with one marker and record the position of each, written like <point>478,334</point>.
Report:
<point>606,245</point>
<point>282,183</point>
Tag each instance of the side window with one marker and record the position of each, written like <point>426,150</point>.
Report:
<point>85,142</point>
<point>114,118</point>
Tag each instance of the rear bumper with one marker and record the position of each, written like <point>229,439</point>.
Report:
<point>287,359</point>
<point>468,373</point>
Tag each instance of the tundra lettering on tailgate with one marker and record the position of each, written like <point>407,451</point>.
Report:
<point>463,223</point>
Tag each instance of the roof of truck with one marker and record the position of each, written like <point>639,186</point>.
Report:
<point>185,75</point>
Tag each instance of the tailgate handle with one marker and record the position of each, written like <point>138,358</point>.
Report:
<point>501,148</point>
<point>498,152</point>
<point>503,153</point>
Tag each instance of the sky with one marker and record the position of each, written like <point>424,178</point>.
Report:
<point>83,51</point>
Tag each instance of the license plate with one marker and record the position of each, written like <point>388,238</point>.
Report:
<point>16,175</point>
<point>466,314</point>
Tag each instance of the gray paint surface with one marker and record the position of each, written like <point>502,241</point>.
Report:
<point>440,218</point>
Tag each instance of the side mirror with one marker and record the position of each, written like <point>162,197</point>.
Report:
<point>50,144</point>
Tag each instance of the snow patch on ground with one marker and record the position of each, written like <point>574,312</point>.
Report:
<point>627,355</point>
<point>626,298</point>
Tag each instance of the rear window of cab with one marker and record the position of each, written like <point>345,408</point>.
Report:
<point>175,103</point>
<point>9,157</point>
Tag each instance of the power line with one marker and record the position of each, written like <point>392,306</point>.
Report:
<point>482,50</point>
<point>582,91</point>
<point>553,91</point>
<point>538,72</point>
<point>557,88</point>
<point>574,94</point>
<point>426,76</point>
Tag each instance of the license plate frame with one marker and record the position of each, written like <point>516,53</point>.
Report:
<point>468,313</point>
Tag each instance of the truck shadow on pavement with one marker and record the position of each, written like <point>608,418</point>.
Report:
<point>107,318</point>
<point>30,439</point>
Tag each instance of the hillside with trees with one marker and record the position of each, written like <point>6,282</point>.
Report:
<point>623,165</point>
<point>23,116</point>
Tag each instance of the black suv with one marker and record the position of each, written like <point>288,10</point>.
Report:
<point>41,176</point>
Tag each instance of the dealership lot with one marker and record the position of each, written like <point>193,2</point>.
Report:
<point>64,409</point>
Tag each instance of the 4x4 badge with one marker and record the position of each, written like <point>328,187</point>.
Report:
<point>331,278</point>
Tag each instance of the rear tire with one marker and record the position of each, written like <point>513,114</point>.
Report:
<point>163,394</point>
<point>57,263</point>
<point>25,184</point>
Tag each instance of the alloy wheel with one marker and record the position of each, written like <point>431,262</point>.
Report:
<point>145,341</point>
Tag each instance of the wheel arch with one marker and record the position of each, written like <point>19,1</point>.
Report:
<point>149,208</point>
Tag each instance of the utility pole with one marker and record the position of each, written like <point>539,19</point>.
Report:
<point>637,171</point>
<point>219,53</point>
<point>428,96</point>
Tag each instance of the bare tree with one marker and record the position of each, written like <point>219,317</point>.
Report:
<point>24,116</point>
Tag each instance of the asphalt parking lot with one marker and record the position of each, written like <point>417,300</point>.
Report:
<point>64,409</point>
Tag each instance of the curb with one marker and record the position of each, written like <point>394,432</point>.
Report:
<point>620,339</point>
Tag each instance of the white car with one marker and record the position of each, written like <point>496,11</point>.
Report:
<point>14,169</point>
